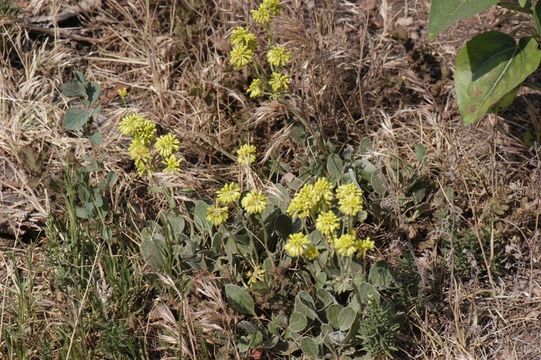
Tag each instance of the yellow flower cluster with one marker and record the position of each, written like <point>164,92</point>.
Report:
<point>315,200</point>
<point>350,199</point>
<point>298,244</point>
<point>254,202</point>
<point>278,56</point>
<point>139,128</point>
<point>246,154</point>
<point>348,245</point>
<point>310,199</point>
<point>244,44</point>
<point>217,215</point>
<point>255,276</point>
<point>255,89</point>
<point>266,10</point>
<point>143,134</point>
<point>228,194</point>
<point>279,82</point>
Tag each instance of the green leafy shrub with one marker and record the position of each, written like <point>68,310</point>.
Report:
<point>491,67</point>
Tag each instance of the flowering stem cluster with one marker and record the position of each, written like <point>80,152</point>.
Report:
<point>145,149</point>
<point>244,49</point>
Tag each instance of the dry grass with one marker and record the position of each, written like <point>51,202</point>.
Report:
<point>361,69</point>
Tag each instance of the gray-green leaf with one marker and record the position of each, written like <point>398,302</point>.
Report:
<point>346,318</point>
<point>380,276</point>
<point>297,322</point>
<point>73,88</point>
<point>310,347</point>
<point>443,13</point>
<point>490,66</point>
<point>75,119</point>
<point>240,299</point>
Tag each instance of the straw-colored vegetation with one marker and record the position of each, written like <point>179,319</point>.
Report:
<point>242,179</point>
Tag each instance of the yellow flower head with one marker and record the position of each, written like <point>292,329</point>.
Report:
<point>255,89</point>
<point>327,223</point>
<point>172,164</point>
<point>138,127</point>
<point>363,246</point>
<point>217,215</point>
<point>345,245</point>
<point>166,145</point>
<point>266,10</point>
<point>350,199</point>
<point>278,56</point>
<point>303,203</point>
<point>261,15</point>
<point>122,92</point>
<point>324,191</point>
<point>254,202</point>
<point>241,55</point>
<point>228,194</point>
<point>311,252</point>
<point>279,82</point>
<point>242,37</point>
<point>272,5</point>
<point>246,154</point>
<point>255,276</point>
<point>297,244</point>
<point>139,151</point>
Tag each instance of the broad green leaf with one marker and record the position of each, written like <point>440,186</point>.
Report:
<point>73,88</point>
<point>488,67</point>
<point>297,322</point>
<point>310,347</point>
<point>443,13</point>
<point>240,299</point>
<point>505,102</point>
<point>75,119</point>
<point>380,276</point>
<point>346,318</point>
